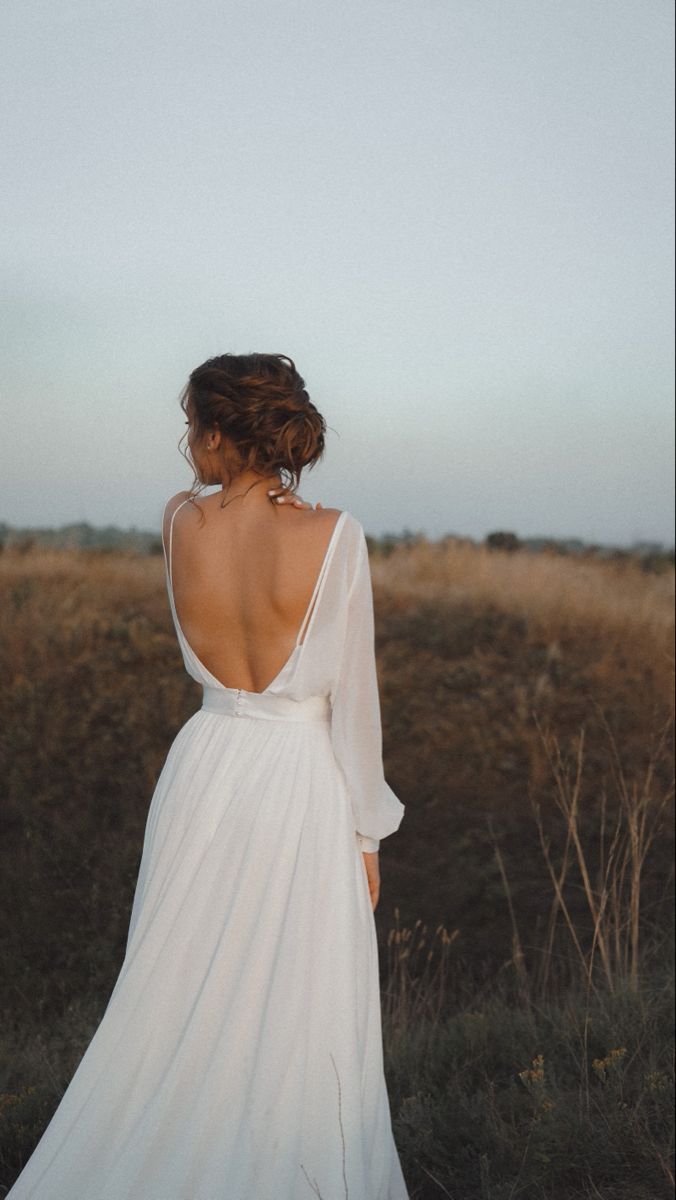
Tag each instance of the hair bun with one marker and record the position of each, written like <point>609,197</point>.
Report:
<point>260,404</point>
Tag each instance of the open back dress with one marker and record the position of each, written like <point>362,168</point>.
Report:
<point>240,1054</point>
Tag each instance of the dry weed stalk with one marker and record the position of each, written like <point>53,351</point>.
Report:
<point>414,994</point>
<point>517,960</point>
<point>614,898</point>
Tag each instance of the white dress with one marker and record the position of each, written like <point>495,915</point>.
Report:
<point>240,1054</point>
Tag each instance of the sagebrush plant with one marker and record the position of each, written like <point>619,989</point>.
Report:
<point>525,922</point>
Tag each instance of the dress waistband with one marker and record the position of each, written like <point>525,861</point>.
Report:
<point>264,706</point>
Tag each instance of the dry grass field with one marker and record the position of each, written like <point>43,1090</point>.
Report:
<point>525,920</point>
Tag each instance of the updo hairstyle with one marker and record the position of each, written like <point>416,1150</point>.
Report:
<point>259,403</point>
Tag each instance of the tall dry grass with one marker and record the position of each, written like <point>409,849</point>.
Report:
<point>558,588</point>
<point>614,896</point>
<point>524,925</point>
<point>534,1081</point>
<point>630,611</point>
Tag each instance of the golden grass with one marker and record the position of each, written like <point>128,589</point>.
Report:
<point>62,602</point>
<point>549,586</point>
<point>544,851</point>
<point>558,592</point>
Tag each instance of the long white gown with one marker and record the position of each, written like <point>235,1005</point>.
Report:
<point>240,1054</point>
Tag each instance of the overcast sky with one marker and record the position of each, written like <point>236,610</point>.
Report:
<point>456,216</point>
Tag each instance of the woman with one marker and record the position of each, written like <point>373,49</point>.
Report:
<point>240,1054</point>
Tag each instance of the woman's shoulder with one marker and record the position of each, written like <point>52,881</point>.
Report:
<point>350,529</point>
<point>322,531</point>
<point>319,523</point>
<point>326,519</point>
<point>354,526</point>
<point>175,500</point>
<point>172,504</point>
<point>332,516</point>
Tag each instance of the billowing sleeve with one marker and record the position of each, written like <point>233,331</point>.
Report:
<point>356,730</point>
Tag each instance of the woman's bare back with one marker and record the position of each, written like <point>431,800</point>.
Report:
<point>243,579</point>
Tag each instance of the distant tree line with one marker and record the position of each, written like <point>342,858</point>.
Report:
<point>652,556</point>
<point>81,536</point>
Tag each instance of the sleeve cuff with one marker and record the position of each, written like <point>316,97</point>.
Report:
<point>368,845</point>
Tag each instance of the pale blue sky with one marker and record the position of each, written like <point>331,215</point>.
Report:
<point>456,216</point>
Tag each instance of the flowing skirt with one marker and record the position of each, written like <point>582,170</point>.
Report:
<point>240,1054</point>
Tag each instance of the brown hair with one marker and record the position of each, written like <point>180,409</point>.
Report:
<point>259,403</point>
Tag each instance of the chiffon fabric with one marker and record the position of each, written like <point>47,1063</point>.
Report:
<point>240,1054</point>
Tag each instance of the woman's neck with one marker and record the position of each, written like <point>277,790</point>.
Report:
<point>250,484</point>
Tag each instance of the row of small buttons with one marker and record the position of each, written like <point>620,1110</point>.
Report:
<point>238,701</point>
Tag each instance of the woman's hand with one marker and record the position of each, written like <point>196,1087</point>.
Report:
<point>372,864</point>
<point>282,497</point>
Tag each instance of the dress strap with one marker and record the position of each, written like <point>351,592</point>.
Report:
<point>167,554</point>
<point>314,599</point>
<point>310,607</point>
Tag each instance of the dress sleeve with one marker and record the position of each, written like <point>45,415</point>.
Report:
<point>355,720</point>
